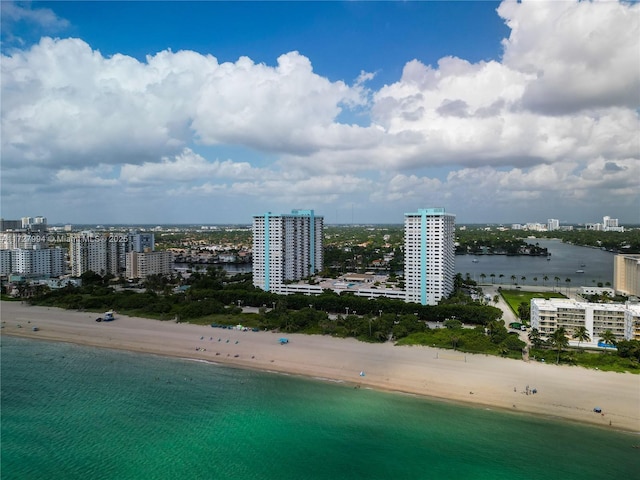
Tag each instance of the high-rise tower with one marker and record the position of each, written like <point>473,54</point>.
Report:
<point>286,247</point>
<point>429,255</point>
<point>101,254</point>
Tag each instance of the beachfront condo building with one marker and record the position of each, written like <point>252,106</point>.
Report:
<point>46,262</point>
<point>143,264</point>
<point>429,255</point>
<point>100,253</point>
<point>626,275</point>
<point>35,262</point>
<point>623,320</point>
<point>286,248</point>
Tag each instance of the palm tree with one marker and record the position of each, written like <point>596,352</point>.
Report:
<point>513,279</point>
<point>568,280</point>
<point>501,276</point>
<point>482,277</point>
<point>608,338</point>
<point>544,280</point>
<point>492,326</point>
<point>493,278</point>
<point>559,341</point>
<point>523,278</point>
<point>557,279</point>
<point>535,279</point>
<point>582,335</point>
<point>535,338</point>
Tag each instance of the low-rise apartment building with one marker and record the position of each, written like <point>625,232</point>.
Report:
<point>623,320</point>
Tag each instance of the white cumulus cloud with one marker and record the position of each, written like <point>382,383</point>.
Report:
<point>555,120</point>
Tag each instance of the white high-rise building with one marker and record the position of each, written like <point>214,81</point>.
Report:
<point>49,262</point>
<point>553,224</point>
<point>88,252</point>
<point>286,247</point>
<point>100,254</point>
<point>611,225</point>
<point>429,255</point>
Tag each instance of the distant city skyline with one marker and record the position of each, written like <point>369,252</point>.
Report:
<point>213,112</point>
<point>13,224</point>
<point>247,224</point>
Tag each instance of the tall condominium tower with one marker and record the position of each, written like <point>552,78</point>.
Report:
<point>35,261</point>
<point>429,255</point>
<point>101,254</point>
<point>286,247</point>
<point>88,252</point>
<point>140,242</point>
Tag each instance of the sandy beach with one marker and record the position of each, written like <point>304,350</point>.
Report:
<point>569,393</point>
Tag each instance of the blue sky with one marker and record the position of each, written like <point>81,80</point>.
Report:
<point>341,38</point>
<point>211,112</point>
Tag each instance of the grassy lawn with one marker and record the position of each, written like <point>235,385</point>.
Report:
<point>516,297</point>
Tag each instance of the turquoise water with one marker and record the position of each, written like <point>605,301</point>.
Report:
<point>76,412</point>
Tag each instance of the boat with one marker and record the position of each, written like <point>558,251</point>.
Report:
<point>579,271</point>
<point>475,260</point>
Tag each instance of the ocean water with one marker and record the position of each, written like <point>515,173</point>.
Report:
<point>74,412</point>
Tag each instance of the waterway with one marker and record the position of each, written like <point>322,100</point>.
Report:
<point>565,262</point>
<point>232,268</point>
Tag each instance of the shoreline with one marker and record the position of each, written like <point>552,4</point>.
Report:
<point>568,393</point>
